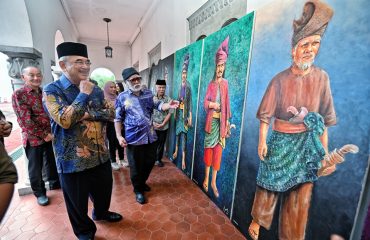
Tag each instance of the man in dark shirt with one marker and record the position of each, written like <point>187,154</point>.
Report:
<point>134,109</point>
<point>36,133</point>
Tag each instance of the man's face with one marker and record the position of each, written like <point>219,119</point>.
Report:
<point>77,68</point>
<point>134,83</point>
<point>160,89</point>
<point>184,75</point>
<point>305,51</point>
<point>32,77</point>
<point>220,68</point>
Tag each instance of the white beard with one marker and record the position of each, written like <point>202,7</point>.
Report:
<point>134,88</point>
<point>305,65</point>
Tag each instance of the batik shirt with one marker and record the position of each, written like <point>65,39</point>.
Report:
<point>35,123</point>
<point>135,112</point>
<point>159,116</point>
<point>78,145</point>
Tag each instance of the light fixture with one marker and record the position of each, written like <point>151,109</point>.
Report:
<point>108,49</point>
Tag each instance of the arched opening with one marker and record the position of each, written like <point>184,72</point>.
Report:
<point>201,37</point>
<point>102,75</point>
<point>55,69</point>
<point>231,20</point>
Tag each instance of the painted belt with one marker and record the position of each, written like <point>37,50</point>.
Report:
<point>216,114</point>
<point>181,106</point>
<point>288,127</point>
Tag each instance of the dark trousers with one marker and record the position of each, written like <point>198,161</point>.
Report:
<point>95,183</point>
<point>40,157</point>
<point>113,143</point>
<point>162,135</point>
<point>141,159</point>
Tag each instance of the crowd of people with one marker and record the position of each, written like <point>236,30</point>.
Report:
<point>72,132</point>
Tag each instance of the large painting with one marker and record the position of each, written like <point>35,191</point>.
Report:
<point>220,109</point>
<point>185,90</point>
<point>298,178</point>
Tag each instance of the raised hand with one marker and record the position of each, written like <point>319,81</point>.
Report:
<point>86,87</point>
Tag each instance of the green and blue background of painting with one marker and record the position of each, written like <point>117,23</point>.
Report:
<point>344,54</point>
<point>240,33</point>
<point>195,52</point>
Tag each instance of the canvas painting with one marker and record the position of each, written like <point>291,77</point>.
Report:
<point>220,109</point>
<point>183,120</point>
<point>305,141</point>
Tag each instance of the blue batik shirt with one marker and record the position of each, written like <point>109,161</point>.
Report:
<point>135,112</point>
<point>78,145</point>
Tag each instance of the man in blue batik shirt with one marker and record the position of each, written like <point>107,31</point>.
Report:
<point>134,109</point>
<point>78,115</point>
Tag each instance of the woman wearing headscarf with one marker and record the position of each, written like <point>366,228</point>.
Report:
<point>110,95</point>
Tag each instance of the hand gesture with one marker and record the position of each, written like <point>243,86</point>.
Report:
<point>173,104</point>
<point>262,150</point>
<point>189,122</point>
<point>157,125</point>
<point>5,128</point>
<point>86,87</point>
<point>122,141</point>
<point>48,137</point>
<point>216,106</point>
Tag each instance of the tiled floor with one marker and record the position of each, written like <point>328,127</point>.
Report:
<point>177,209</point>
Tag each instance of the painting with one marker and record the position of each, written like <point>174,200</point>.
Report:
<point>220,109</point>
<point>185,90</point>
<point>326,43</point>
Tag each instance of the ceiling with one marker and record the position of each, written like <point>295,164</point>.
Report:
<point>87,16</point>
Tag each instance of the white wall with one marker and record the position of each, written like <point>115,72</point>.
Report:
<point>253,5</point>
<point>168,25</point>
<point>46,17</point>
<point>15,29</point>
<point>121,56</point>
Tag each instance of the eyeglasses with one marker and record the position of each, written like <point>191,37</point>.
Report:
<point>80,63</point>
<point>137,79</point>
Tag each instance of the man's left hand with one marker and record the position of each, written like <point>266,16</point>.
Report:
<point>157,125</point>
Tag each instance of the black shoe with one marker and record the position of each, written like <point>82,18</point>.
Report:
<point>140,198</point>
<point>160,164</point>
<point>109,217</point>
<point>43,200</point>
<point>54,186</point>
<point>89,236</point>
<point>146,188</point>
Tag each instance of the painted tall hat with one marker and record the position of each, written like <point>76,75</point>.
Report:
<point>185,65</point>
<point>314,20</point>
<point>222,52</point>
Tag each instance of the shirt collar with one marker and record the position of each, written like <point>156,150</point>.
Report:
<point>66,83</point>
<point>29,89</point>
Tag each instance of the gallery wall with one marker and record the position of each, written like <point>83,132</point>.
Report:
<point>259,48</point>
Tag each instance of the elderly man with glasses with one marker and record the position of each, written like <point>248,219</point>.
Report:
<point>134,110</point>
<point>78,115</point>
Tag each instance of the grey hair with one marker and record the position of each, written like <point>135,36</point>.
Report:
<point>63,59</point>
<point>30,66</point>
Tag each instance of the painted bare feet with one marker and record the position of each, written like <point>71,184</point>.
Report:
<point>215,190</point>
<point>174,155</point>
<point>183,165</point>
<point>205,185</point>
<point>254,230</point>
